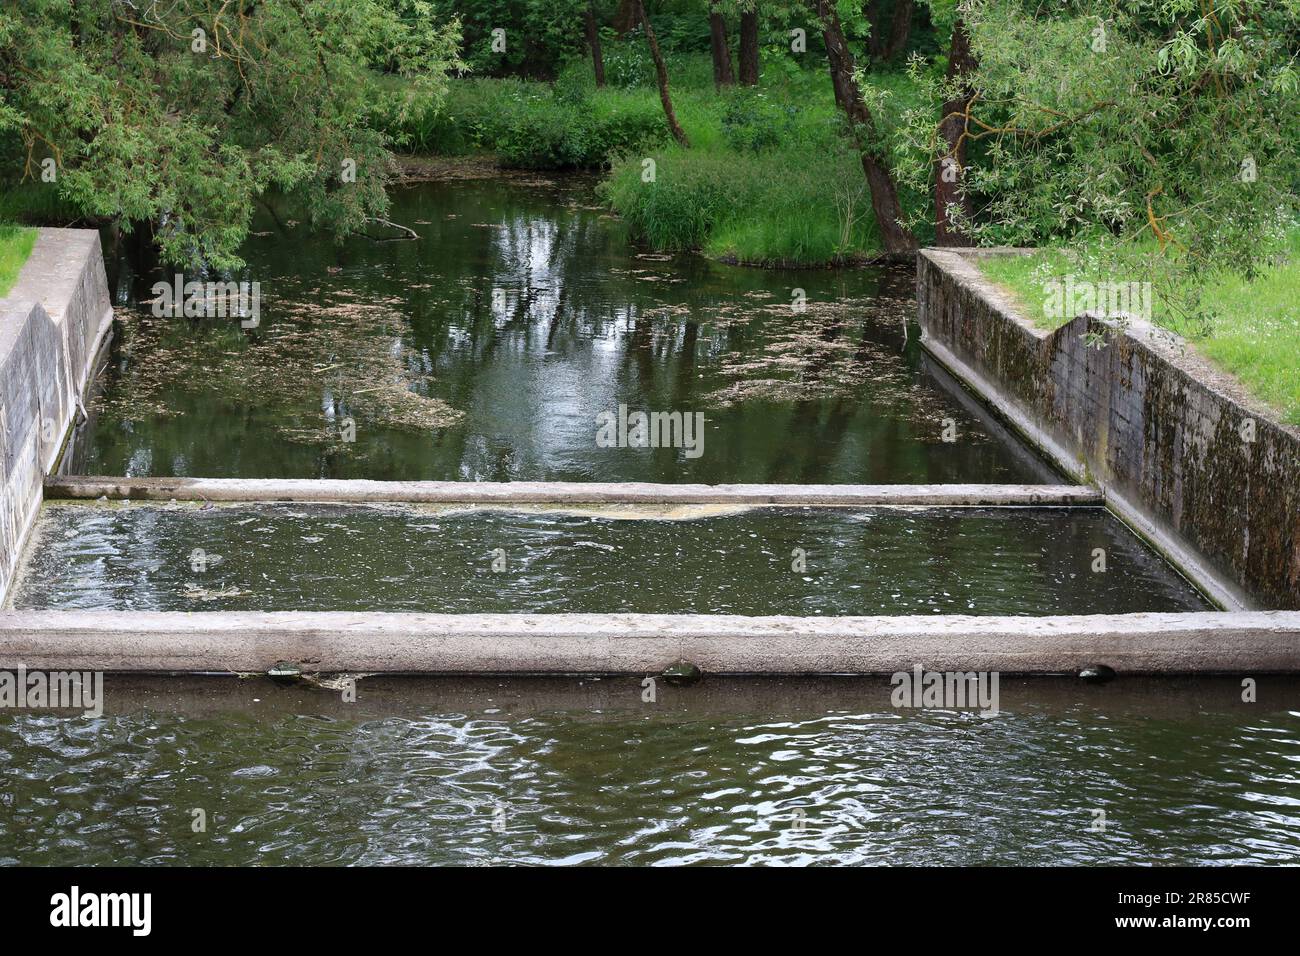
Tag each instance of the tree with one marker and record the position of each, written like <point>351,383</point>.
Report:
<point>661,75</point>
<point>950,198</point>
<point>593,43</point>
<point>897,237</point>
<point>722,74</point>
<point>886,40</point>
<point>749,44</point>
<point>1158,122</point>
<point>176,116</point>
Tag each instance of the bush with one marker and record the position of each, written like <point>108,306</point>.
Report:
<point>535,126</point>
<point>753,123</point>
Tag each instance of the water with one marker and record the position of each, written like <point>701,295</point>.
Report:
<point>448,559</point>
<point>417,772</point>
<point>485,351</point>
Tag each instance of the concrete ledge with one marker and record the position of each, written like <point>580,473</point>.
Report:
<point>561,492</point>
<point>52,325</point>
<point>1197,643</point>
<point>1146,419</point>
<point>65,273</point>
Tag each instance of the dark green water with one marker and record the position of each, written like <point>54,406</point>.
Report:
<point>485,351</point>
<point>873,561</point>
<point>571,772</point>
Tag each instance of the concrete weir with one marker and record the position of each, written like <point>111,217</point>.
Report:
<point>1183,454</point>
<point>329,642</point>
<point>562,492</point>
<point>53,325</point>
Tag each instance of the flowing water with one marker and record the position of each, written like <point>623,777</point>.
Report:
<point>486,350</point>
<point>571,771</point>
<point>453,559</point>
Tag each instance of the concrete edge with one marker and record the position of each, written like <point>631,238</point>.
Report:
<point>560,492</point>
<point>63,280</point>
<point>1223,592</point>
<point>1220,589</point>
<point>1172,348</point>
<point>334,642</point>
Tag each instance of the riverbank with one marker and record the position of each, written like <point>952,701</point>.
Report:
<point>1247,326</point>
<point>769,179</point>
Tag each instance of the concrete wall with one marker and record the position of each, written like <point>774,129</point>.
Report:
<point>1259,642</point>
<point>52,326</point>
<point>505,493</point>
<point>1155,426</point>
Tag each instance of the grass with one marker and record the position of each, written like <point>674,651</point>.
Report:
<point>15,246</point>
<point>770,177</point>
<point>1249,326</point>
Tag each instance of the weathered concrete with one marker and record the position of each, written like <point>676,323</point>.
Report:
<point>52,325</point>
<point>1248,642</point>
<point>1157,428</point>
<point>561,492</point>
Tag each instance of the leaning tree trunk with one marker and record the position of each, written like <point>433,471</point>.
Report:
<point>749,46</point>
<point>593,42</point>
<point>722,75</point>
<point>884,195</point>
<point>950,168</point>
<point>661,74</point>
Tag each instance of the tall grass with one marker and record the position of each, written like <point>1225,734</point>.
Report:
<point>15,246</point>
<point>784,207</point>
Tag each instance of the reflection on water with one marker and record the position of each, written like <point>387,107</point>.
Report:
<point>485,351</point>
<point>765,561</point>
<point>584,772</point>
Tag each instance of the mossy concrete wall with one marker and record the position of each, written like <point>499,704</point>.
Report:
<point>52,326</point>
<point>1181,451</point>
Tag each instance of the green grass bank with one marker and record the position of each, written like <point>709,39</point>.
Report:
<point>15,246</point>
<point>1248,326</point>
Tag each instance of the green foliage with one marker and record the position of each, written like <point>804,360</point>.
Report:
<point>1125,121</point>
<point>535,126</point>
<point>540,35</point>
<point>156,124</point>
<point>751,122</point>
<point>15,246</point>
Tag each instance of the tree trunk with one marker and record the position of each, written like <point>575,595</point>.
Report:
<point>900,30</point>
<point>722,75</point>
<point>593,41</point>
<point>625,18</point>
<point>884,195</point>
<point>950,168</point>
<point>875,16</point>
<point>749,47</point>
<point>661,74</point>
